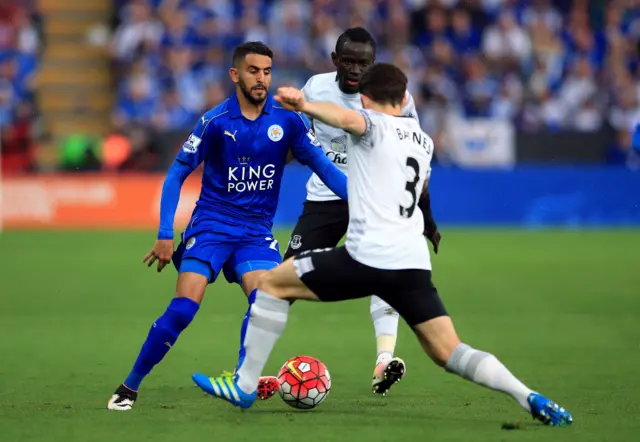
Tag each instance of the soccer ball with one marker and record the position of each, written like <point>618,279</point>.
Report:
<point>304,382</point>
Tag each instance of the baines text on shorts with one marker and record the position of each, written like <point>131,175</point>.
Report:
<point>248,178</point>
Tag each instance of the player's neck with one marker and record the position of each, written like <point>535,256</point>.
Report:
<point>250,110</point>
<point>388,109</point>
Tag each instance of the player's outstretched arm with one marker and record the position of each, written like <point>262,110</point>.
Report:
<point>326,171</point>
<point>329,113</point>
<point>189,157</point>
<point>163,249</point>
<point>306,149</point>
<point>336,116</point>
<point>177,174</point>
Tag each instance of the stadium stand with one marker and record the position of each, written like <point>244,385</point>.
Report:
<point>20,48</point>
<point>540,65</point>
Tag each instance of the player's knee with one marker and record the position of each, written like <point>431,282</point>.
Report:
<point>192,286</point>
<point>268,283</point>
<point>251,279</point>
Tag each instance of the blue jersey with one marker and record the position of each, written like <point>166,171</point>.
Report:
<point>230,229</point>
<point>243,163</point>
<point>244,159</point>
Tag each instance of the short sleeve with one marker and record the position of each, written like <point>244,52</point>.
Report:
<point>409,110</point>
<point>372,123</point>
<point>306,90</point>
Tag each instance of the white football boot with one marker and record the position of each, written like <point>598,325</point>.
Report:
<point>122,399</point>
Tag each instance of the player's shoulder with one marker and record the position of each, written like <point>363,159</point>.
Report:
<point>322,79</point>
<point>319,83</point>
<point>375,118</point>
<point>289,116</point>
<point>409,109</point>
<point>216,113</point>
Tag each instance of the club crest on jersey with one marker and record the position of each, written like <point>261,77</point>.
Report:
<point>339,144</point>
<point>275,132</point>
<point>296,242</point>
<point>191,242</point>
<point>192,143</point>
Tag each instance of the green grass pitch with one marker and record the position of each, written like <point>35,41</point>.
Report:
<point>561,309</point>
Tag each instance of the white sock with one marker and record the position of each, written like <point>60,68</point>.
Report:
<point>268,317</point>
<point>485,369</point>
<point>385,323</point>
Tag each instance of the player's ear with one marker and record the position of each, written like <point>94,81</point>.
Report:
<point>334,59</point>
<point>234,75</point>
<point>404,100</point>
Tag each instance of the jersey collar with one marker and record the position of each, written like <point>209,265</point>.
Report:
<point>234,106</point>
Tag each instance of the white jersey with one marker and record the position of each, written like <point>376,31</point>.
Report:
<point>335,142</point>
<point>388,167</point>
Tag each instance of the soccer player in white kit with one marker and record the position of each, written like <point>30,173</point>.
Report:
<point>325,216</point>
<point>385,252</point>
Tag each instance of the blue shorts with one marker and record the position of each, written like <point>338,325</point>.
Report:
<point>211,245</point>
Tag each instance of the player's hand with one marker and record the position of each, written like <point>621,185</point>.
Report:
<point>161,252</point>
<point>291,98</point>
<point>435,238</point>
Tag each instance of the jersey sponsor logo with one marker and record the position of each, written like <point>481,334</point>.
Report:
<point>191,242</point>
<point>275,132</point>
<point>192,143</point>
<point>337,157</point>
<point>296,242</point>
<point>312,137</point>
<point>232,135</point>
<point>245,177</point>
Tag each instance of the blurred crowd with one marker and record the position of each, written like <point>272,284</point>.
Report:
<point>542,64</point>
<point>21,39</point>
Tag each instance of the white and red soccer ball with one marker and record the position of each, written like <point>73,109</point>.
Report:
<point>305,382</point>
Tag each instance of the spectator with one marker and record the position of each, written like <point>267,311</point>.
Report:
<point>171,114</point>
<point>542,11</point>
<point>579,86</point>
<point>506,43</point>
<point>479,88</point>
<point>543,64</point>
<point>138,30</point>
<point>463,36</point>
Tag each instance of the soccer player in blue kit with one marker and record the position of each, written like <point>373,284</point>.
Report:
<point>244,144</point>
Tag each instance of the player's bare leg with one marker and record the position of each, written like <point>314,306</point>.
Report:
<point>264,325</point>
<point>388,369</point>
<point>440,341</point>
<point>164,332</point>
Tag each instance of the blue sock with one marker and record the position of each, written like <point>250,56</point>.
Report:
<point>245,324</point>
<point>163,334</point>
